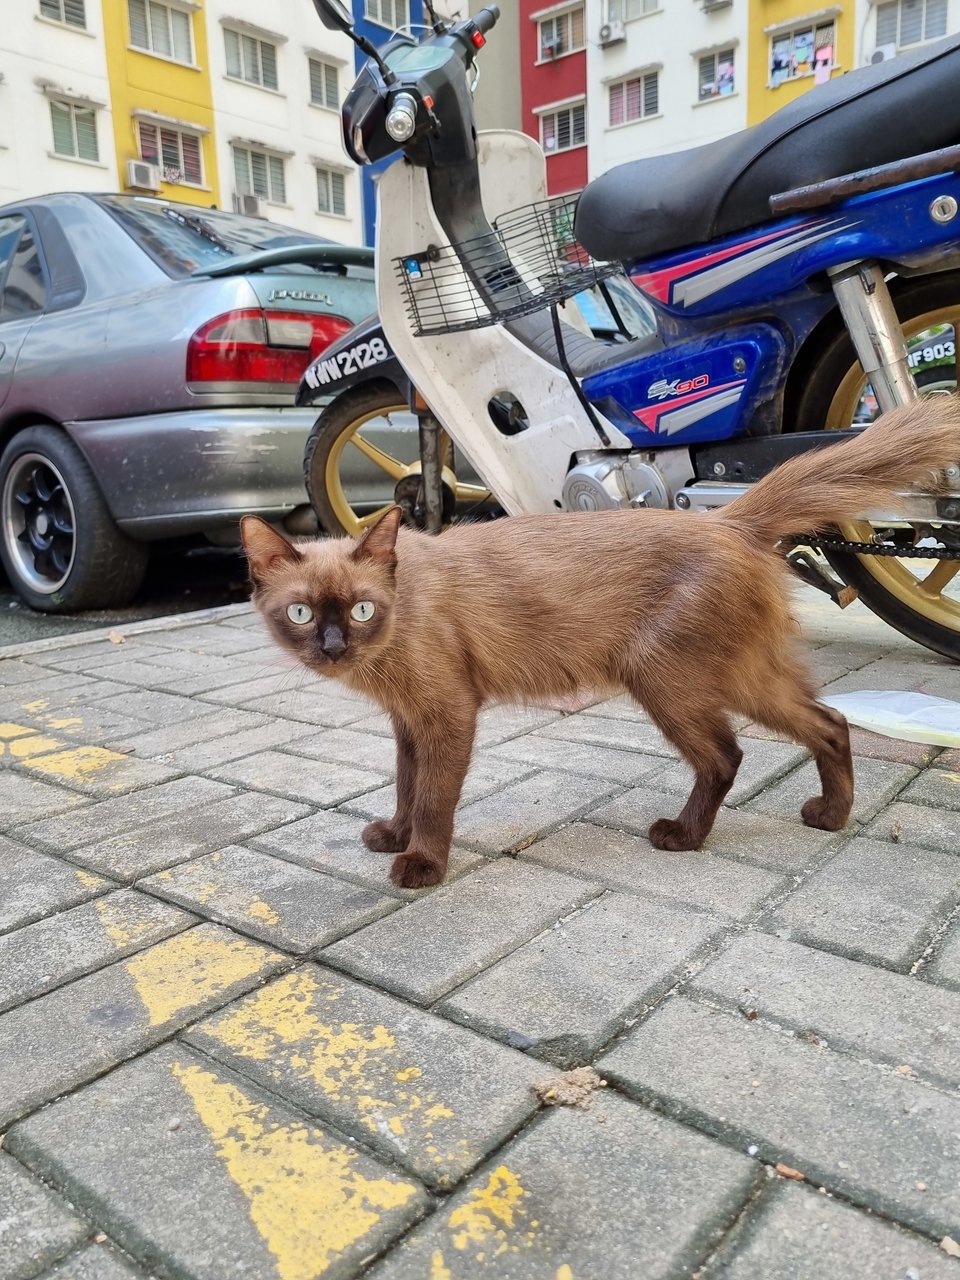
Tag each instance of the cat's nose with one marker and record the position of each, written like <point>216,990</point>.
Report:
<point>334,646</point>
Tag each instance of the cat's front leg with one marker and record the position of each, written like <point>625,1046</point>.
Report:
<point>393,836</point>
<point>443,756</point>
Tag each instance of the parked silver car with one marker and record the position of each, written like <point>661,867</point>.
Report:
<point>149,355</point>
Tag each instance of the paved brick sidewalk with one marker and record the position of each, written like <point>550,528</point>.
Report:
<point>229,1047</point>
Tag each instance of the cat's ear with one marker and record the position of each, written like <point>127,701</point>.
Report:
<point>379,543</point>
<point>266,549</point>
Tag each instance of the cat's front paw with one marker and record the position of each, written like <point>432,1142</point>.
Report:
<point>668,833</point>
<point>416,871</point>
<point>383,837</point>
<point>824,814</point>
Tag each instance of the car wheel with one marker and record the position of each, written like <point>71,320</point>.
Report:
<point>58,543</point>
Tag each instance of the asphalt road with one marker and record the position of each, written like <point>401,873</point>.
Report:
<point>176,582</point>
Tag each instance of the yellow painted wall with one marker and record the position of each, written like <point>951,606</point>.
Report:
<point>762,101</point>
<point>141,81</point>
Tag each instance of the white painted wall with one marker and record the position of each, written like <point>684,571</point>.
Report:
<point>72,62</point>
<point>670,38</point>
<point>285,121</point>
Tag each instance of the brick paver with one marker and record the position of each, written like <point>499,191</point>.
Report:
<point>273,900</point>
<point>33,885</point>
<point>61,947</point>
<point>447,937</point>
<point>536,1214</point>
<point>873,901</point>
<point>869,1135</point>
<point>71,1035</point>
<point>229,1045</point>
<point>794,1231</point>
<point>36,1228</point>
<point>433,1097</point>
<point>268,1193</point>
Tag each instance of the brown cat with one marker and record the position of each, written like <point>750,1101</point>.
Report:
<point>686,612</point>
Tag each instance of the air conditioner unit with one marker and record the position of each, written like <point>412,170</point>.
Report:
<point>551,48</point>
<point>143,176</point>
<point>882,53</point>
<point>612,33</point>
<point>711,6</point>
<point>253,206</point>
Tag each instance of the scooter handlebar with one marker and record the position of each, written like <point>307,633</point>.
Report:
<point>487,17</point>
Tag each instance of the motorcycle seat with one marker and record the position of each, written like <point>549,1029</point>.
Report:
<point>584,353</point>
<point>876,115</point>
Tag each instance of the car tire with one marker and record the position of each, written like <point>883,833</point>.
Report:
<point>59,545</point>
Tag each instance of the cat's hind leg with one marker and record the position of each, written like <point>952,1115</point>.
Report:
<point>705,739</point>
<point>393,835</point>
<point>788,705</point>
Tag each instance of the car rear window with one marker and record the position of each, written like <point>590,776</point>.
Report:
<point>181,238</point>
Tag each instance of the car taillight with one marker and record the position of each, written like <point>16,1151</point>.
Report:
<point>259,346</point>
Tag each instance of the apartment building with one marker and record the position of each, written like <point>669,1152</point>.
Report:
<point>212,104</point>
<point>56,121</point>
<point>608,81</point>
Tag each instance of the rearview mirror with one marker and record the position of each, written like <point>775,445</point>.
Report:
<point>334,15</point>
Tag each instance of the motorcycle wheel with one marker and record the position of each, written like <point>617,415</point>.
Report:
<point>919,598</point>
<point>342,484</point>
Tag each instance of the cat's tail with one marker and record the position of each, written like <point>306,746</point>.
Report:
<point>903,449</point>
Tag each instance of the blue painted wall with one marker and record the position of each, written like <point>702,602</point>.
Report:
<point>377,35</point>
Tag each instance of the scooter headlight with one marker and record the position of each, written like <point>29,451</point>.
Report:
<point>402,118</point>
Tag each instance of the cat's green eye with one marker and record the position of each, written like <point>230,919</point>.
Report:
<point>363,611</point>
<point>300,613</point>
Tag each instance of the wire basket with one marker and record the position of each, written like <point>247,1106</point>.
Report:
<point>529,261</point>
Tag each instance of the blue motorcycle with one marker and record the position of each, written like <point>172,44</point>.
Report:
<point>796,278</point>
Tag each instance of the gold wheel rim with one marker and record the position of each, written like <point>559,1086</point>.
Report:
<point>355,524</point>
<point>921,592</point>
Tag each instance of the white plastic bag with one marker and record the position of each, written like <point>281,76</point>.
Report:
<point>897,714</point>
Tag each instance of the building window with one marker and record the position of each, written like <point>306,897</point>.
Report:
<point>561,34</point>
<point>562,130</point>
<point>324,84</point>
<point>392,14</point>
<point>177,153</point>
<point>803,52</point>
<point>252,60</point>
<point>716,74</point>
<point>259,173</point>
<point>907,22</point>
<point>71,12</point>
<point>635,99</point>
<point>160,29</point>
<point>624,10</point>
<point>331,192</point>
<point>74,131</point>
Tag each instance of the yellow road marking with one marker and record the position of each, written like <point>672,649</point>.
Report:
<point>35,745</point>
<point>76,763</point>
<point>9,731</point>
<point>231,895</point>
<point>306,1198</point>
<point>564,1272</point>
<point>122,927</point>
<point>438,1268</point>
<point>489,1213</point>
<point>354,1064</point>
<point>262,911</point>
<point>189,969</point>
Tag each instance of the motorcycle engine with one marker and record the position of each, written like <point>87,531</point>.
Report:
<point>605,481</point>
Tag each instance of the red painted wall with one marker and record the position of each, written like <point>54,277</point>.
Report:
<point>565,77</point>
